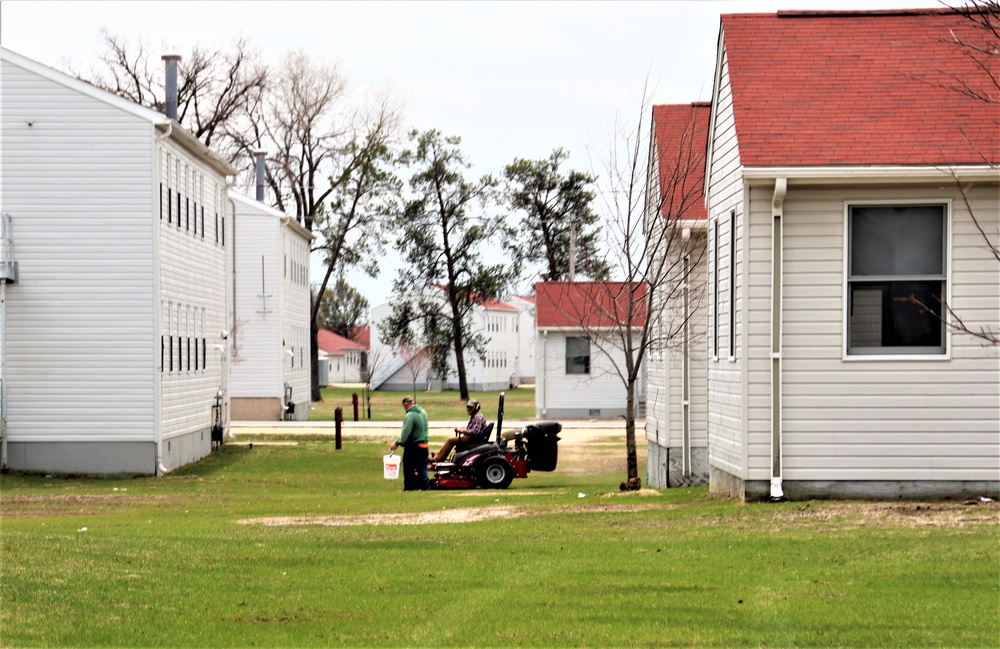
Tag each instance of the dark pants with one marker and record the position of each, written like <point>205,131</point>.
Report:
<point>415,468</point>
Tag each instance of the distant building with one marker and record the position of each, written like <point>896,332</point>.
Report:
<point>525,327</point>
<point>270,341</point>
<point>404,369</point>
<point>579,355</point>
<point>344,358</point>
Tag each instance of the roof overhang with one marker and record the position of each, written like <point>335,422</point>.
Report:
<point>579,328</point>
<point>178,133</point>
<point>870,175</point>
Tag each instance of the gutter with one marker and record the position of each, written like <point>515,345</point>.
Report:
<point>777,212</point>
<point>758,176</point>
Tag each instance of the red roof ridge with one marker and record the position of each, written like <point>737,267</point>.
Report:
<point>853,13</point>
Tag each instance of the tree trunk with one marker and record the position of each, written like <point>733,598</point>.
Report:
<point>463,386</point>
<point>314,369</point>
<point>632,462</point>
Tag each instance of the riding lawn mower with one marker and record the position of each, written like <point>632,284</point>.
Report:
<point>494,465</point>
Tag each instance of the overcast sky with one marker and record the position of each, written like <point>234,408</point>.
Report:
<point>512,79</point>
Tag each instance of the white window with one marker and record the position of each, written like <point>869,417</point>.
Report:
<point>896,279</point>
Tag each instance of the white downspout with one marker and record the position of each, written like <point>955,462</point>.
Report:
<point>777,253</point>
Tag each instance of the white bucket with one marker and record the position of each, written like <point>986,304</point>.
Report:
<point>390,466</point>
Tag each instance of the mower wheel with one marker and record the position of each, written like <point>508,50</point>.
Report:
<point>495,473</point>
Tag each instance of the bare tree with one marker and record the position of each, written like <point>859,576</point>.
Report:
<point>654,251</point>
<point>979,45</point>
<point>418,362</point>
<point>376,361</point>
<point>216,86</point>
<point>330,165</point>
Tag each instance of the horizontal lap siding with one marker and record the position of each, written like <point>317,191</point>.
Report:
<point>899,419</point>
<point>193,278</point>
<point>257,370</point>
<point>295,313</point>
<point>78,184</point>
<point>664,409</point>
<point>726,441</point>
<point>601,389</point>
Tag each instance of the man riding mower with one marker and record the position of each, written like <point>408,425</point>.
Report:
<point>494,465</point>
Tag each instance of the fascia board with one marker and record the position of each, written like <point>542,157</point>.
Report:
<point>870,174</point>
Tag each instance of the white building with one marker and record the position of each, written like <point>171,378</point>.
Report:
<point>498,322</point>
<point>579,355</point>
<point>676,410</point>
<point>843,187</point>
<point>345,359</point>
<point>271,351</point>
<point>115,330</point>
<point>525,365</point>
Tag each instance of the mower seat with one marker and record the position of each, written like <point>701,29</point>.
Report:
<point>473,449</point>
<point>481,438</point>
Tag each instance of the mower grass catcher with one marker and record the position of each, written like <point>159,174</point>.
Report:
<point>494,465</point>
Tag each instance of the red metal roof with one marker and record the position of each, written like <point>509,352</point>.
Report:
<point>858,88</point>
<point>332,343</point>
<point>681,135</point>
<point>589,304</point>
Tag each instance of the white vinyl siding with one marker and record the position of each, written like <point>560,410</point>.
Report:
<point>601,390</point>
<point>272,304</point>
<point>295,310</point>
<point>257,359</point>
<point>77,177</point>
<point>885,418</point>
<point>193,275</point>
<point>664,409</point>
<point>727,443</point>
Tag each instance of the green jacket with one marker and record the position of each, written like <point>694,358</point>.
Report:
<point>414,427</point>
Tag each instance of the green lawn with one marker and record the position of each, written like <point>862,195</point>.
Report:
<point>172,562</point>
<point>519,403</point>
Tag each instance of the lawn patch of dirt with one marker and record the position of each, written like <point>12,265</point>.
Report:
<point>444,516</point>
<point>824,515</point>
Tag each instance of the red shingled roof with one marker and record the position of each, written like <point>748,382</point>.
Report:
<point>332,343</point>
<point>681,135</point>
<point>589,304</point>
<point>858,88</point>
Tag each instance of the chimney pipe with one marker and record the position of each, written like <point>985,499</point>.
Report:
<point>171,83</point>
<point>259,155</point>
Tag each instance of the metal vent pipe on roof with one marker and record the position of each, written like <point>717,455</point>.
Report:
<point>170,61</point>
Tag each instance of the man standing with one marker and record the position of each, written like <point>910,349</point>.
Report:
<point>413,438</point>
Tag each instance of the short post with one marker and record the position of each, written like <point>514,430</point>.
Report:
<point>354,400</point>
<point>338,423</point>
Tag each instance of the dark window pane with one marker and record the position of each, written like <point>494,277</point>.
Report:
<point>896,314</point>
<point>907,240</point>
<point>577,355</point>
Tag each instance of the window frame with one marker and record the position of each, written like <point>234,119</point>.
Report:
<point>898,353</point>
<point>589,368</point>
